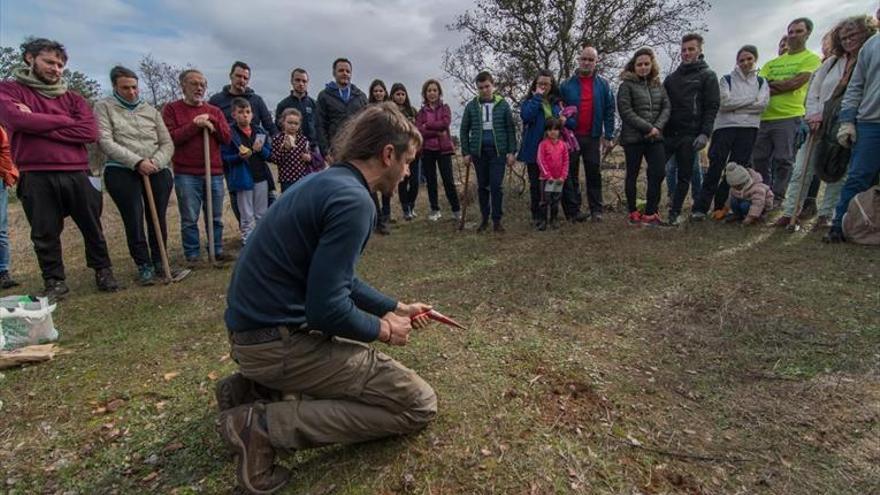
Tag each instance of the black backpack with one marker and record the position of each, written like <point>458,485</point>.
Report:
<point>830,160</point>
<point>726,78</point>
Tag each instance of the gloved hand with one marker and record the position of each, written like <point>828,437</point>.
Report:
<point>700,142</point>
<point>846,135</point>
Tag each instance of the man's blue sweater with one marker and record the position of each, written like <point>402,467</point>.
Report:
<point>298,266</point>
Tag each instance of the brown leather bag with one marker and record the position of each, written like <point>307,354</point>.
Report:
<point>861,222</point>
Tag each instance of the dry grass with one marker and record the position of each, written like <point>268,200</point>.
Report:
<point>599,359</point>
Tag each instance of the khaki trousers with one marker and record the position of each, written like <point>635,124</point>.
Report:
<point>346,391</point>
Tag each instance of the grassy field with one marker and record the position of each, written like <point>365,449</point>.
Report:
<point>600,358</point>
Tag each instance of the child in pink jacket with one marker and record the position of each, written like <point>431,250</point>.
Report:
<point>749,197</point>
<point>553,162</point>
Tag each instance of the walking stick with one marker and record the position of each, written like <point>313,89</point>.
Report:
<point>157,228</point>
<point>209,220</point>
<point>793,221</point>
<point>464,203</point>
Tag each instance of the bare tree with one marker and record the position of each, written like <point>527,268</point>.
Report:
<point>159,80</point>
<point>516,38</point>
<point>10,58</point>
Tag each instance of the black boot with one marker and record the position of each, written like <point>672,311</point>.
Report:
<point>105,280</point>
<point>6,281</point>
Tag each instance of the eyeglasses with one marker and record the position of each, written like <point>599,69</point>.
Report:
<point>852,36</point>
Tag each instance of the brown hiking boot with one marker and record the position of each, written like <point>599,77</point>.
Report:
<point>255,458</point>
<point>236,390</point>
<point>233,391</point>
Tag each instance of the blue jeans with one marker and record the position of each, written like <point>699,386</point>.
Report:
<point>4,229</point>
<point>740,207</point>
<point>190,199</point>
<point>696,178</point>
<point>490,179</point>
<point>863,166</point>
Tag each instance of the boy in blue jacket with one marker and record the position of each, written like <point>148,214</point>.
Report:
<point>246,156</point>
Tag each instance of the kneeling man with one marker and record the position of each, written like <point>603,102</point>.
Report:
<point>300,320</point>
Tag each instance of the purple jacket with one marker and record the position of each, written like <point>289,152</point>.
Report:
<point>53,136</point>
<point>433,123</point>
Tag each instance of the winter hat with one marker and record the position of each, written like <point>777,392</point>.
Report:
<point>737,175</point>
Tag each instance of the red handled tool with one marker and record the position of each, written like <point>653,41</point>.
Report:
<point>437,316</point>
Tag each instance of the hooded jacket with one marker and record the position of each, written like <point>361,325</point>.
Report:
<point>262,116</point>
<point>433,123</point>
<point>743,99</point>
<point>756,192</point>
<point>503,128</point>
<point>642,105</point>
<point>129,136</point>
<point>333,112</point>
<point>694,95</point>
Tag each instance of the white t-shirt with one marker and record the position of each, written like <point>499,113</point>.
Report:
<point>486,109</point>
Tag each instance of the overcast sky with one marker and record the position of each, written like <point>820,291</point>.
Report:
<point>394,40</point>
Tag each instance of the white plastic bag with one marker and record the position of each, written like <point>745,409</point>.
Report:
<point>25,322</point>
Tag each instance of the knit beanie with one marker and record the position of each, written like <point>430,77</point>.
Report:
<point>737,175</point>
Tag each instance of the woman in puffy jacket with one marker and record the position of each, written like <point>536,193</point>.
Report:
<point>644,109</point>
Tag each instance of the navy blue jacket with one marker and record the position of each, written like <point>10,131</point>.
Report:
<point>255,166</point>
<point>306,106</point>
<point>532,113</point>
<point>333,112</point>
<point>298,267</point>
<point>603,105</point>
<point>262,116</point>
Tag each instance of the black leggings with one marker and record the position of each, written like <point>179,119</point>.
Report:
<point>408,189</point>
<point>431,161</point>
<point>655,154</point>
<point>126,187</point>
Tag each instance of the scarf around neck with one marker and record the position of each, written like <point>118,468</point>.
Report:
<point>25,76</point>
<point>125,103</point>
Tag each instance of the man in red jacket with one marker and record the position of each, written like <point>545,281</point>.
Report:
<point>186,118</point>
<point>50,127</point>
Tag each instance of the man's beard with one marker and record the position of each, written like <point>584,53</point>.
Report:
<point>43,77</point>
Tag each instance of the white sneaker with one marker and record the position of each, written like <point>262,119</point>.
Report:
<point>434,215</point>
<point>456,215</point>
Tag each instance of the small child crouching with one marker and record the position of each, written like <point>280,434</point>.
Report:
<point>749,199</point>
